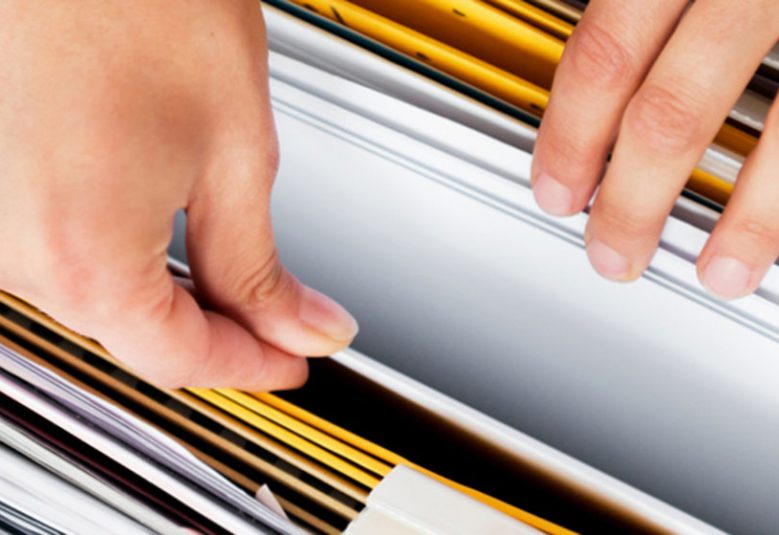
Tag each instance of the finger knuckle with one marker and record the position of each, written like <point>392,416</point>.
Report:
<point>759,231</point>
<point>265,284</point>
<point>569,157</point>
<point>578,163</point>
<point>600,57</point>
<point>668,121</point>
<point>272,157</point>
<point>623,223</point>
<point>257,170</point>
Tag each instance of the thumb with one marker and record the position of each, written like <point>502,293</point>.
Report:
<point>236,269</point>
<point>141,316</point>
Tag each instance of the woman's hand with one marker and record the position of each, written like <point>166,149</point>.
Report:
<point>656,82</point>
<point>114,115</point>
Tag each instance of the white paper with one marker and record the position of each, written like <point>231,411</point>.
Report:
<point>137,461</point>
<point>84,479</point>
<point>40,494</point>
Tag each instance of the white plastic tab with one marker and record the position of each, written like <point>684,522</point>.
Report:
<point>407,501</point>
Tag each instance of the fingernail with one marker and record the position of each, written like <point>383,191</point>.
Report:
<point>607,261</point>
<point>727,277</point>
<point>326,316</point>
<point>552,196</point>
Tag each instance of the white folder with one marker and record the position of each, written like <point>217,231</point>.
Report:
<point>410,204</point>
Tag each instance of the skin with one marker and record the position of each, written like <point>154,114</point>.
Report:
<point>653,84</point>
<point>106,130</point>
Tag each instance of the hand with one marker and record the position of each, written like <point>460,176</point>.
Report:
<point>115,115</point>
<point>656,83</point>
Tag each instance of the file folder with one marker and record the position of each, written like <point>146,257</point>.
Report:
<point>508,388</point>
<point>81,383</point>
<point>559,349</point>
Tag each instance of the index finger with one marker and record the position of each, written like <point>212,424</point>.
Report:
<point>604,63</point>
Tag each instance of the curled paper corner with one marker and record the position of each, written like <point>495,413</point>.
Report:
<point>266,497</point>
